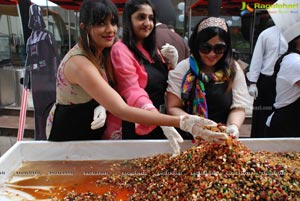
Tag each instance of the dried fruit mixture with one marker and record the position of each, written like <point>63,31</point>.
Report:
<point>208,171</point>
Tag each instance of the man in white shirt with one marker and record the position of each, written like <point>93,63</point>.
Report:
<point>269,47</point>
<point>284,121</point>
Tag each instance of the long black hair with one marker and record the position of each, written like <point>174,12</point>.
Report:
<point>95,12</point>
<point>129,37</point>
<point>199,37</point>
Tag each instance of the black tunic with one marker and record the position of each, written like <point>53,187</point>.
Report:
<point>156,88</point>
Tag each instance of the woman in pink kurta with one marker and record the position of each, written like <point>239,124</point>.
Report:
<point>140,71</point>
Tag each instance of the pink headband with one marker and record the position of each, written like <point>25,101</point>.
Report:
<point>213,22</point>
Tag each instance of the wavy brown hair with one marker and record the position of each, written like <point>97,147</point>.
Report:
<point>95,12</point>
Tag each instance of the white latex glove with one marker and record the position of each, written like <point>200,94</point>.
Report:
<point>170,53</point>
<point>233,130</point>
<point>99,117</point>
<point>174,138</point>
<point>253,90</point>
<point>194,125</point>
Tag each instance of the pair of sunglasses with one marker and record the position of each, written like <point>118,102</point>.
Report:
<point>206,48</point>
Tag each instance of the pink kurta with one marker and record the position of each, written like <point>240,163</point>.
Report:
<point>131,80</point>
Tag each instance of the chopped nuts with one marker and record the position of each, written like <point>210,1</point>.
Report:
<point>228,171</point>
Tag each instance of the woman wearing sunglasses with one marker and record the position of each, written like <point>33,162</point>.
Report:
<point>83,82</point>
<point>210,83</point>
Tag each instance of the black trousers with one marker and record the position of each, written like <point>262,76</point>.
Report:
<point>263,104</point>
<point>285,122</point>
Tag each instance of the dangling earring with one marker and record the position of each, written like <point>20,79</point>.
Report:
<point>88,40</point>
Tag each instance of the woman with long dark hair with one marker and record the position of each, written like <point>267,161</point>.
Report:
<point>140,71</point>
<point>83,82</point>
<point>210,83</point>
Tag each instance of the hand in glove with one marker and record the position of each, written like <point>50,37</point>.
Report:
<point>99,117</point>
<point>253,90</point>
<point>194,125</point>
<point>174,138</point>
<point>233,130</point>
<point>170,53</point>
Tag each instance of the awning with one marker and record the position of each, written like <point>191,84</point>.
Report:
<point>200,3</point>
<point>8,2</point>
<point>75,4</point>
<point>228,7</point>
<point>68,4</point>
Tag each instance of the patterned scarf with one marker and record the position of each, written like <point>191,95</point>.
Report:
<point>193,90</point>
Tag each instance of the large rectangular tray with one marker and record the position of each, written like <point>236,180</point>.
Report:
<point>114,150</point>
